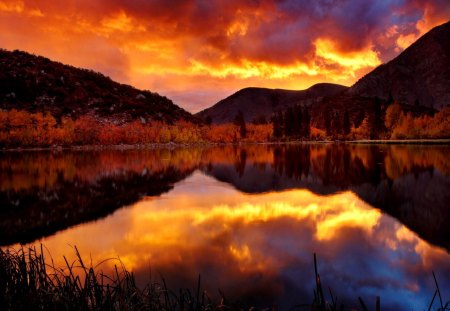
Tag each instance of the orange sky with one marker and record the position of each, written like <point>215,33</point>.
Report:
<point>198,52</point>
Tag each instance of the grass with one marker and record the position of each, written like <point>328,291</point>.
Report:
<point>27,282</point>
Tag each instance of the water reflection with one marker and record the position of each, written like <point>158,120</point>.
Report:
<point>258,247</point>
<point>409,182</point>
<point>248,219</point>
<point>43,192</point>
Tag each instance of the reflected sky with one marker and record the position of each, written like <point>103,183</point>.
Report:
<point>258,247</point>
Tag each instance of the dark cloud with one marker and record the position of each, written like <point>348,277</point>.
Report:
<point>241,42</point>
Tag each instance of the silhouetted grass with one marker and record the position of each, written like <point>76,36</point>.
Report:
<point>27,282</point>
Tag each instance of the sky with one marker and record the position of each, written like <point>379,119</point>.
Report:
<point>197,52</point>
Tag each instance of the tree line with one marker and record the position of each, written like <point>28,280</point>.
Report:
<point>21,128</point>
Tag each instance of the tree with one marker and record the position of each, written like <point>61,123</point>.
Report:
<point>240,122</point>
<point>327,122</point>
<point>289,122</point>
<point>298,119</point>
<point>337,123</point>
<point>277,121</point>
<point>305,127</point>
<point>259,119</point>
<point>390,98</point>
<point>346,126</point>
<point>393,113</point>
<point>375,120</point>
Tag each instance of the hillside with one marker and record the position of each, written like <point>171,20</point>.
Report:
<point>37,84</point>
<point>258,103</point>
<point>418,79</point>
<point>419,76</point>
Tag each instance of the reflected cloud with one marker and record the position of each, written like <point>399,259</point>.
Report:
<point>43,192</point>
<point>264,241</point>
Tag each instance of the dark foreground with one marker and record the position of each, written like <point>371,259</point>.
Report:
<point>28,282</point>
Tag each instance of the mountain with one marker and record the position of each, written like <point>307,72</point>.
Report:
<point>418,79</point>
<point>37,84</point>
<point>419,76</point>
<point>258,103</point>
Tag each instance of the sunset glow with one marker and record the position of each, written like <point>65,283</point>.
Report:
<point>196,52</point>
<point>185,231</point>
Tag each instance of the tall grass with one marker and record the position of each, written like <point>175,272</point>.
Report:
<point>28,282</point>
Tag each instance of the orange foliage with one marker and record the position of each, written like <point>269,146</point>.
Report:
<point>317,134</point>
<point>21,128</point>
<point>362,131</point>
<point>393,113</point>
<point>409,127</point>
<point>223,133</point>
<point>259,132</point>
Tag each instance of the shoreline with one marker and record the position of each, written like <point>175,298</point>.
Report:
<point>172,145</point>
<point>401,141</point>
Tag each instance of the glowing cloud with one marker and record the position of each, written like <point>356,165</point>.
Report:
<point>186,49</point>
<point>350,62</point>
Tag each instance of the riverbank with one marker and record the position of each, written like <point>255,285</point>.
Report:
<point>172,145</point>
<point>402,141</point>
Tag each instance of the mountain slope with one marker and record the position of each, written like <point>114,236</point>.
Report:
<point>262,102</point>
<point>419,76</point>
<point>418,79</point>
<point>37,84</point>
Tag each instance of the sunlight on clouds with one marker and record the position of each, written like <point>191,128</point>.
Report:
<point>249,69</point>
<point>239,28</point>
<point>122,23</point>
<point>403,41</point>
<point>253,44</point>
<point>351,61</point>
<point>428,253</point>
<point>349,217</point>
<point>430,19</point>
<point>12,7</point>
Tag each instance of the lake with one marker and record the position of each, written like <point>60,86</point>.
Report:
<point>248,218</point>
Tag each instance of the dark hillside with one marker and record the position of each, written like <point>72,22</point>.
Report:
<point>37,84</point>
<point>260,103</point>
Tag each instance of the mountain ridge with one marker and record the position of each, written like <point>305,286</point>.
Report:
<point>269,100</point>
<point>38,84</point>
<point>418,79</point>
<point>420,75</point>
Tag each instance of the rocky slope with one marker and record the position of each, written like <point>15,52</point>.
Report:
<point>418,79</point>
<point>34,83</point>
<point>258,103</point>
<point>419,76</point>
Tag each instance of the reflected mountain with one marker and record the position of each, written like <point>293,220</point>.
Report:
<point>410,183</point>
<point>44,192</point>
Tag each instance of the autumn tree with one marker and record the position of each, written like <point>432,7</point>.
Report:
<point>362,131</point>
<point>393,114</point>
<point>240,122</point>
<point>86,129</point>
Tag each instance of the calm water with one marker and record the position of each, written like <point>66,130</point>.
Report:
<point>247,219</point>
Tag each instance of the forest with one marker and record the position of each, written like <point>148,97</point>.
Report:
<point>19,128</point>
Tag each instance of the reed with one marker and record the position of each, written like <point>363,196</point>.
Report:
<point>29,282</point>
